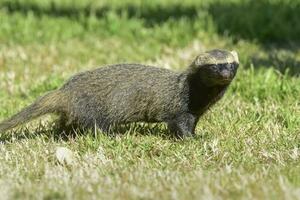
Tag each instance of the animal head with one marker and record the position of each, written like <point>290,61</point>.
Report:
<point>215,67</point>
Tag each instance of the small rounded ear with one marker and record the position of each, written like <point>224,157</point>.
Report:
<point>199,60</point>
<point>195,65</point>
<point>235,56</point>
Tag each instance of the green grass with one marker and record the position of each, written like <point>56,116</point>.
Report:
<point>247,146</point>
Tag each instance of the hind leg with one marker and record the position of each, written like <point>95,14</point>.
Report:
<point>65,126</point>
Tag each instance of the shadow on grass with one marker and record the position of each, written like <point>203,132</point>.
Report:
<point>265,21</point>
<point>152,14</point>
<point>273,24</point>
<point>154,129</point>
<point>285,61</point>
<point>52,132</point>
<point>48,132</point>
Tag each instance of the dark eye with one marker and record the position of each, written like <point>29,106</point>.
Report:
<point>229,65</point>
<point>221,66</point>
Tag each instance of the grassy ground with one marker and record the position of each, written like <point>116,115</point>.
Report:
<point>247,146</point>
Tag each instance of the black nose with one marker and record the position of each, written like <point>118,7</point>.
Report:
<point>226,74</point>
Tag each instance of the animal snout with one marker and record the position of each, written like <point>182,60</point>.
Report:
<point>226,74</point>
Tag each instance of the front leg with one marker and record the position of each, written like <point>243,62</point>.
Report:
<point>183,125</point>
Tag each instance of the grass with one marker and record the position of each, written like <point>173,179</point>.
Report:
<point>247,146</point>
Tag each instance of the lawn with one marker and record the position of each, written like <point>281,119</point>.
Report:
<point>246,147</point>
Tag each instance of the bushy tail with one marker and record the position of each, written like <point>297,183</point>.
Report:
<point>48,103</point>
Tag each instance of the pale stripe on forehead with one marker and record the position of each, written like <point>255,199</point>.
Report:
<point>215,57</point>
<point>235,56</point>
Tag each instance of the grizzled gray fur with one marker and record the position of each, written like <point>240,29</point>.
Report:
<point>125,93</point>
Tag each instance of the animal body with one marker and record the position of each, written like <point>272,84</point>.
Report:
<point>125,93</point>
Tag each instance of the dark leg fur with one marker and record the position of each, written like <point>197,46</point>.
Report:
<point>184,125</point>
<point>64,126</point>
